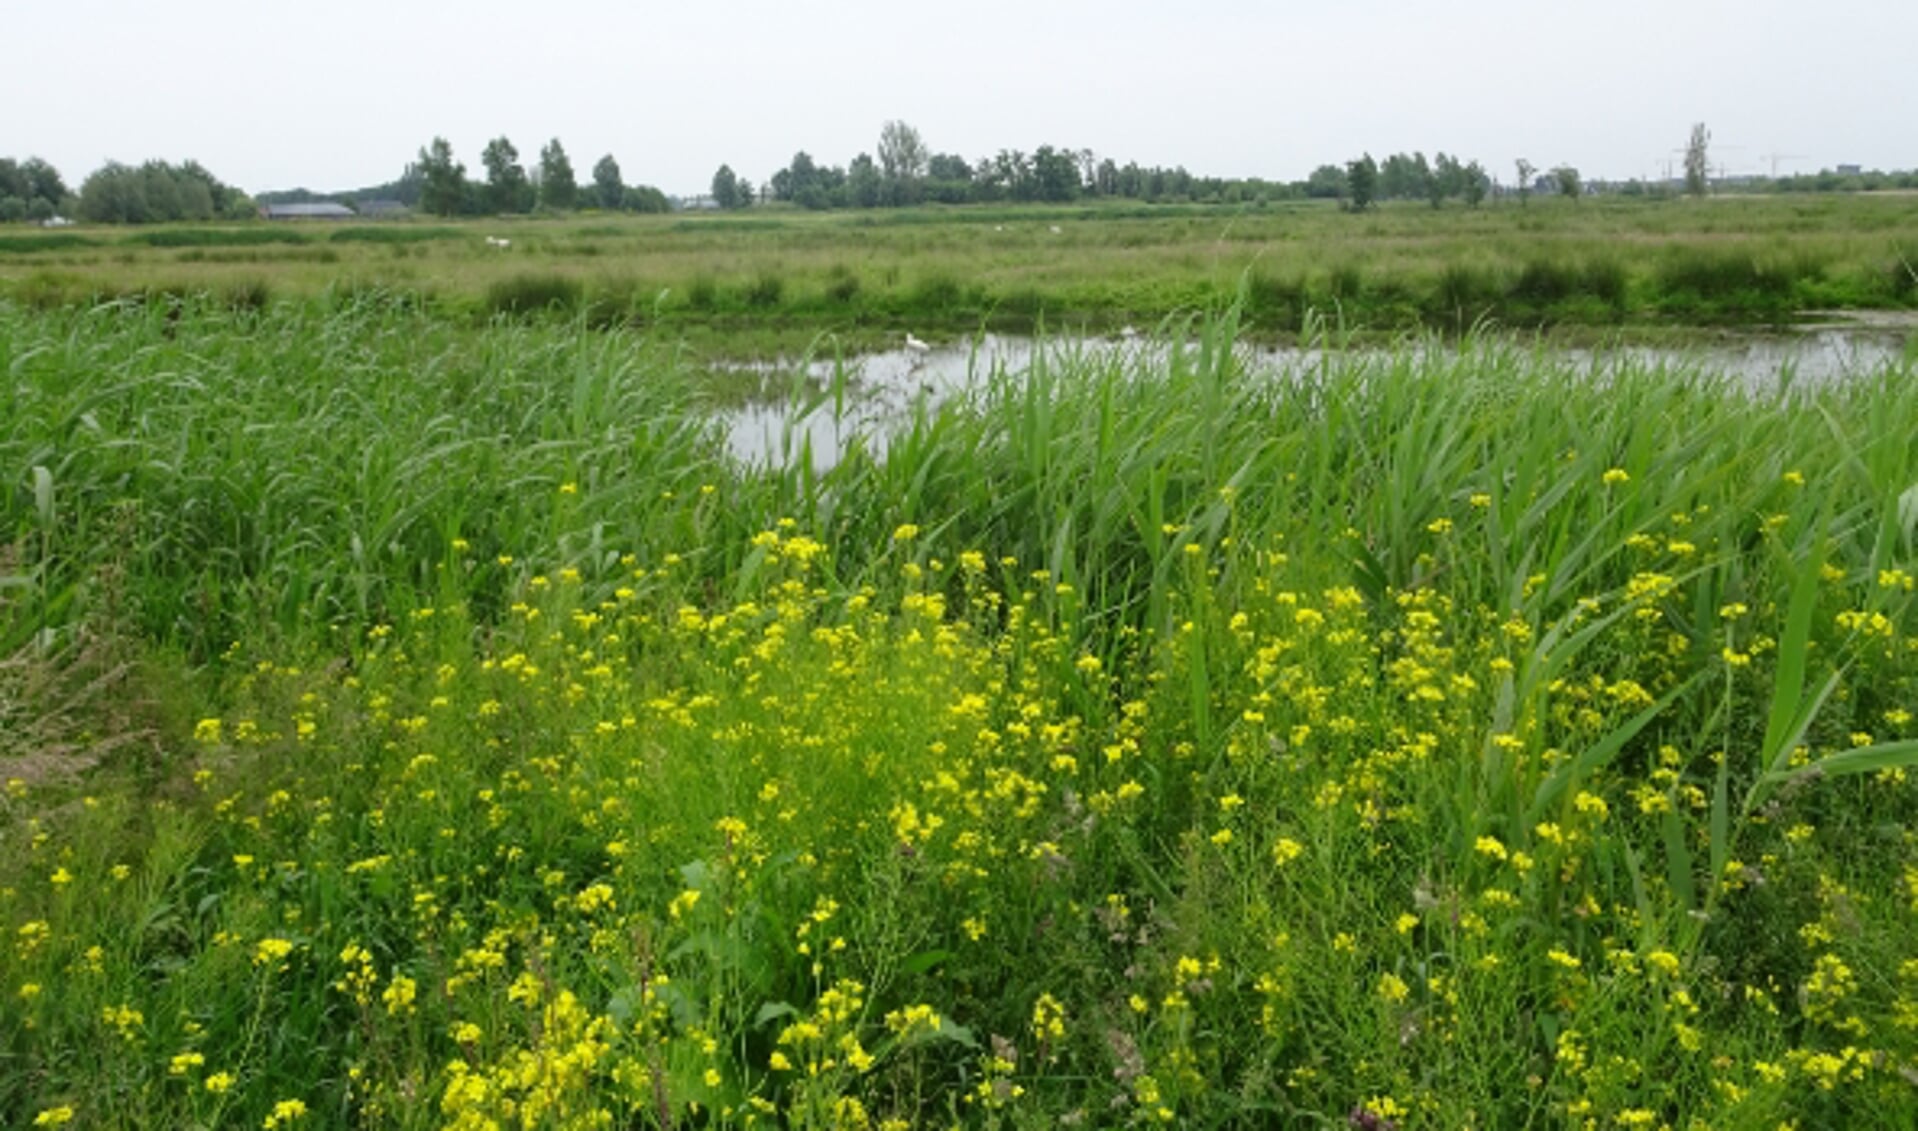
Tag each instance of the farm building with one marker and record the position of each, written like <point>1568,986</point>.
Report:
<point>325,211</point>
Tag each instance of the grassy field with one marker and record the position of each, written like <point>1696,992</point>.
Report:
<point>750,278</point>
<point>407,723</point>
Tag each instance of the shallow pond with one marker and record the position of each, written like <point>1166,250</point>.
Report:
<point>876,393</point>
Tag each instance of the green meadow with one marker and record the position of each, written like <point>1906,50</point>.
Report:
<point>775,277</point>
<point>411,717</point>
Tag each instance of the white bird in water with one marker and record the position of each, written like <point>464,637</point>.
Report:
<point>918,350</point>
<point>1055,229</point>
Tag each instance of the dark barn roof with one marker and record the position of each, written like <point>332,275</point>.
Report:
<point>324,211</point>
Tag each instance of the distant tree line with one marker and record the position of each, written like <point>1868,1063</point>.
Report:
<point>156,192</point>
<point>1364,181</point>
<point>30,190</point>
<point>437,183</point>
<point>902,171</point>
<point>153,192</point>
<point>1829,180</point>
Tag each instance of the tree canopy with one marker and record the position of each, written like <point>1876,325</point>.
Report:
<point>558,191</point>
<point>156,192</point>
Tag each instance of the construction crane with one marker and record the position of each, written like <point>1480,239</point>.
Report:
<point>1775,158</point>
<point>1709,169</point>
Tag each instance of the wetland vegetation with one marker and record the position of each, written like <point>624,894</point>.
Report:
<point>754,283</point>
<point>413,719</point>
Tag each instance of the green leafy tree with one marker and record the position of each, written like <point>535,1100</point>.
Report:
<point>1569,182</point>
<point>1361,182</point>
<point>1525,169</point>
<point>902,153</point>
<point>1447,180</point>
<point>156,192</point>
<point>1106,180</point>
<point>1056,174</point>
<point>1404,176</point>
<point>442,179</point>
<point>1474,184</point>
<point>865,186</point>
<point>607,185</point>
<point>645,198</point>
<point>29,182</point>
<point>507,189</point>
<point>43,182</point>
<point>1697,154</point>
<point>558,190</point>
<point>726,187</point>
<point>13,181</point>
<point>113,194</point>
<point>1327,182</point>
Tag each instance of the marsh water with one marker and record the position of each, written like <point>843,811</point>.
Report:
<point>812,410</point>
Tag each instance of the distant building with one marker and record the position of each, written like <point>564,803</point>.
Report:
<point>701,203</point>
<point>56,222</point>
<point>327,211</point>
<point>1851,170</point>
<point>380,209</point>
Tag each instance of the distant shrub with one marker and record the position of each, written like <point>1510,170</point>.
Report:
<point>1347,281</point>
<point>1280,301</point>
<point>246,294</point>
<point>1902,274</point>
<point>1728,282</point>
<point>702,293</point>
<point>395,234</point>
<point>1606,280</point>
<point>1542,282</point>
<point>937,292</point>
<point>765,290</point>
<point>1466,289</point>
<point>44,290</point>
<point>217,237</point>
<point>842,286</point>
<point>44,241</point>
<point>355,294</point>
<point>532,294</point>
<point>1022,305</point>
<point>1560,287</point>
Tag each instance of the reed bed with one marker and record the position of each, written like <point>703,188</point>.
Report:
<point>1454,737</point>
<point>1599,263</point>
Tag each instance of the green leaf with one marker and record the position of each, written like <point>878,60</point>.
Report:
<point>926,960</point>
<point>1788,683</point>
<point>772,1011</point>
<point>1678,862</point>
<point>1861,760</point>
<point>43,494</point>
<point>1598,753</point>
<point>1777,767</point>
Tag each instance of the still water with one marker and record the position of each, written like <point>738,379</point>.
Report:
<point>880,391</point>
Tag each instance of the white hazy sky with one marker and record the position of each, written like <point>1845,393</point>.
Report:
<point>336,94</point>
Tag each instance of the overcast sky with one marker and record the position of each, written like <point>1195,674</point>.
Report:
<point>336,94</point>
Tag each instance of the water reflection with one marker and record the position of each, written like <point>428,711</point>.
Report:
<point>869,397</point>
